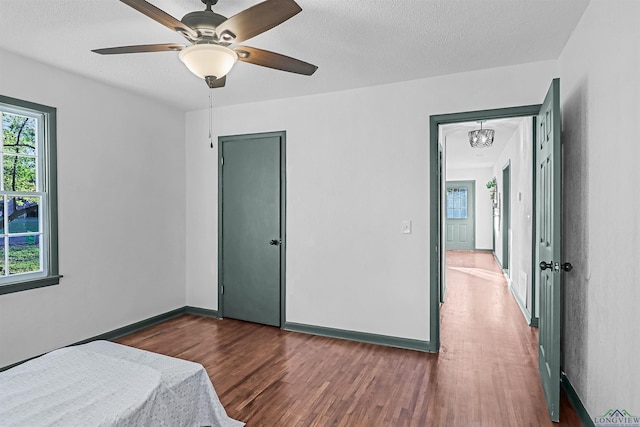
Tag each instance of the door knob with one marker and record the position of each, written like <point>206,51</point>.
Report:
<point>566,266</point>
<point>546,265</point>
<point>274,242</point>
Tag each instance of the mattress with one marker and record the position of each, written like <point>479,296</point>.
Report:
<point>106,384</point>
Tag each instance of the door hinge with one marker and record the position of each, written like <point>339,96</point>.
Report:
<point>221,161</point>
<point>221,290</point>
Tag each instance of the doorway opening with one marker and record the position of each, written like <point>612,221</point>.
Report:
<point>461,162</point>
<point>503,176</point>
<point>546,223</point>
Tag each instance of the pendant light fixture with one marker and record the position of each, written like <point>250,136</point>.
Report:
<point>481,138</point>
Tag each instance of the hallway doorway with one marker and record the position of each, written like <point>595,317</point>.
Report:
<point>488,235</point>
<point>545,219</point>
<point>501,175</point>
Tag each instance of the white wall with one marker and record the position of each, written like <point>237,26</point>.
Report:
<point>484,216</point>
<point>600,91</point>
<point>357,165</point>
<point>518,154</point>
<point>121,180</point>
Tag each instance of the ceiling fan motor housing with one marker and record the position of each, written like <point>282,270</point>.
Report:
<point>210,34</point>
<point>205,23</point>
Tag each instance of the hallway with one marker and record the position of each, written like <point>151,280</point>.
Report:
<point>488,352</point>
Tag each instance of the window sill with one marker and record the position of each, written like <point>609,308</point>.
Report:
<point>30,284</point>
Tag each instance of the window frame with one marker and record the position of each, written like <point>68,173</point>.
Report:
<point>48,175</point>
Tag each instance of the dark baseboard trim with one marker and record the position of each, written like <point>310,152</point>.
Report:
<point>4,368</point>
<point>201,312</point>
<point>584,416</point>
<point>389,341</point>
<point>120,332</point>
<point>135,327</point>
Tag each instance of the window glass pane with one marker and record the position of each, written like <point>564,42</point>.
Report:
<point>19,173</point>
<point>24,254</point>
<point>1,219</point>
<point>457,203</point>
<point>19,134</point>
<point>24,214</point>
<point>27,199</point>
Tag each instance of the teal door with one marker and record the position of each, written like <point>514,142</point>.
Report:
<point>460,215</point>
<point>548,255</point>
<point>506,217</point>
<point>250,224</point>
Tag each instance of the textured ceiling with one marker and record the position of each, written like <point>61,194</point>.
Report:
<point>355,43</point>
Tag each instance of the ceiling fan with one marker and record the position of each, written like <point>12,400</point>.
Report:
<point>210,34</point>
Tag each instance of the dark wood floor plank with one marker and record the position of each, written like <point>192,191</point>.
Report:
<point>485,374</point>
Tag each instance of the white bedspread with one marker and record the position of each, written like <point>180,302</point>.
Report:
<point>107,384</point>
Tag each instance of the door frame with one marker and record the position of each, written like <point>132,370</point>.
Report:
<point>435,224</point>
<point>505,217</point>
<point>283,215</point>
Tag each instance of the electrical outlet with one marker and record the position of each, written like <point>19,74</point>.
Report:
<point>406,226</point>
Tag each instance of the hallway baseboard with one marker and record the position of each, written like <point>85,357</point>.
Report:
<point>521,304</point>
<point>584,416</point>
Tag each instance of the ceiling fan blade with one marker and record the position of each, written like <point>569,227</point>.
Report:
<point>256,20</point>
<point>164,47</point>
<point>162,17</point>
<point>274,60</point>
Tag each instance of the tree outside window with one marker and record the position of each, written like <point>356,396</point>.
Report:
<point>28,226</point>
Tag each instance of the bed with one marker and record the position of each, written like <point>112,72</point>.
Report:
<point>106,384</point>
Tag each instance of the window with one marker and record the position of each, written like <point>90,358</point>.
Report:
<point>457,203</point>
<point>28,199</point>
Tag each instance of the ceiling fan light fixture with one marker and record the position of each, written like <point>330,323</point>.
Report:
<point>208,60</point>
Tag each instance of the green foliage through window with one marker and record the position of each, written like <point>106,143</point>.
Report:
<point>21,199</point>
<point>28,196</point>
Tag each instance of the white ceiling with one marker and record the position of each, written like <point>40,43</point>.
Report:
<point>355,43</point>
<point>460,154</point>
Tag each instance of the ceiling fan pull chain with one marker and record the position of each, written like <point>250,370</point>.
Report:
<point>210,116</point>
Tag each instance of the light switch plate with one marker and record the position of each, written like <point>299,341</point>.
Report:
<point>406,226</point>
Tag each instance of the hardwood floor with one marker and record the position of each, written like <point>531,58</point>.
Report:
<point>485,374</point>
